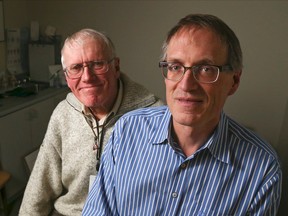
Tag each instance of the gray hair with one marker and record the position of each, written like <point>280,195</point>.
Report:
<point>224,32</point>
<point>83,35</point>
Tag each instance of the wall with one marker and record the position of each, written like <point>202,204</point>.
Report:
<point>283,153</point>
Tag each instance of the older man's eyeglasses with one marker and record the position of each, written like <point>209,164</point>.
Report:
<point>202,73</point>
<point>75,71</point>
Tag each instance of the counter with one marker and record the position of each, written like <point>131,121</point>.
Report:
<point>12,104</point>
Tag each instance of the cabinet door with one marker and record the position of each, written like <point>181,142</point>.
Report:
<point>15,140</point>
<point>39,115</point>
<point>21,133</point>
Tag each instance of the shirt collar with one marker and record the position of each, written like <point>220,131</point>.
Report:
<point>216,144</point>
<point>114,109</point>
<point>161,133</point>
<point>219,145</point>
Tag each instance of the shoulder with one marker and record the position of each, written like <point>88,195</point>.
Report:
<point>132,88</point>
<point>142,116</point>
<point>251,140</point>
<point>136,95</point>
<point>66,110</point>
<point>148,112</point>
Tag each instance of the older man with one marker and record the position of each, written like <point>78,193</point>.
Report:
<point>80,125</point>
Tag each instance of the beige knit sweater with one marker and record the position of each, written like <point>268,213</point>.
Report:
<point>59,182</point>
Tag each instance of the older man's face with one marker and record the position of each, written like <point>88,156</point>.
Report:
<point>95,91</point>
<point>191,103</point>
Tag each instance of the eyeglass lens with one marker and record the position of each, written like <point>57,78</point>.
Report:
<point>97,67</point>
<point>202,73</point>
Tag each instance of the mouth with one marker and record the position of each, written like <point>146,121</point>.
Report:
<point>189,102</point>
<point>90,87</point>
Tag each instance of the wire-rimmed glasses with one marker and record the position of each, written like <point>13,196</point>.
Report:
<point>75,71</point>
<point>202,73</point>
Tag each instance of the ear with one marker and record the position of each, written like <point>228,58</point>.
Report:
<point>117,66</point>
<point>236,82</point>
<point>67,81</point>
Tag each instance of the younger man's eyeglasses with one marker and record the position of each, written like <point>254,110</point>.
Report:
<point>202,73</point>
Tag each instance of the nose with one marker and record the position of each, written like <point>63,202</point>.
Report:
<point>87,72</point>
<point>188,81</point>
<point>88,66</point>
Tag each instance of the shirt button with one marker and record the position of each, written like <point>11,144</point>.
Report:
<point>183,165</point>
<point>174,194</point>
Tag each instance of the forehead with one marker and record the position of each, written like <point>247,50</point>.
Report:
<point>196,35</point>
<point>197,42</point>
<point>87,43</point>
<point>85,50</point>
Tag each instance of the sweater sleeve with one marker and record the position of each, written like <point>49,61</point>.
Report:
<point>44,184</point>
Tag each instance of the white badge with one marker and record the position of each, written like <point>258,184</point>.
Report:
<point>91,180</point>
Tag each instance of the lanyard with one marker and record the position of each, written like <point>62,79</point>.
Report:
<point>98,138</point>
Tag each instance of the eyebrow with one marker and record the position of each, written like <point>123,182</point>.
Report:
<point>201,62</point>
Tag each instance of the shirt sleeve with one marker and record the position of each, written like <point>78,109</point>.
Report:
<point>101,199</point>
<point>267,199</point>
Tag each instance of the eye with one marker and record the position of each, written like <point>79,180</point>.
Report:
<point>97,64</point>
<point>175,67</point>
<point>206,69</point>
<point>75,68</point>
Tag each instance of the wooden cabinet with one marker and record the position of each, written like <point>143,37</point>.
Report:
<point>21,133</point>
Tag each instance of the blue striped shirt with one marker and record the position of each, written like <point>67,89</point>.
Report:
<point>234,173</point>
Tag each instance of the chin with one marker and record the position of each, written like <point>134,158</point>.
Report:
<point>90,102</point>
<point>187,118</point>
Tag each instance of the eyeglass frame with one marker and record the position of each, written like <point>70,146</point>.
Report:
<point>89,65</point>
<point>221,68</point>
